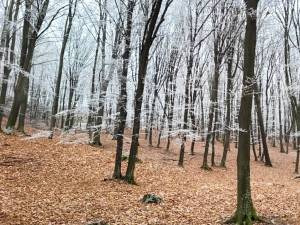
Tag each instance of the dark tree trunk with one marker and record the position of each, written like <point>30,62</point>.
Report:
<point>155,95</point>
<point>163,120</point>
<point>68,124</point>
<point>122,104</point>
<point>29,39</point>
<point>265,154</point>
<point>259,142</point>
<point>186,100</point>
<point>280,118</point>
<point>91,116</point>
<point>213,150</point>
<point>228,107</point>
<point>246,213</point>
<point>8,57</point>
<point>212,110</point>
<point>150,32</point>
<point>67,30</point>
<point>273,119</point>
<point>172,91</point>
<point>19,89</point>
<point>147,109</point>
<point>202,114</point>
<point>96,141</point>
<point>62,123</point>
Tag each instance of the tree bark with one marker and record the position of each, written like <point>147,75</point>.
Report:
<point>265,154</point>
<point>29,40</point>
<point>150,32</point>
<point>122,104</point>
<point>246,213</point>
<point>67,30</point>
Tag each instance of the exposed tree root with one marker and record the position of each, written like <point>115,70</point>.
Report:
<point>247,219</point>
<point>206,167</point>
<point>129,180</point>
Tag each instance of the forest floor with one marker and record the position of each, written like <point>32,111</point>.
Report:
<point>64,181</point>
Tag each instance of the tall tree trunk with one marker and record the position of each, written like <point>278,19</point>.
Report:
<point>280,118</point>
<point>20,89</point>
<point>29,40</point>
<point>163,120</point>
<point>266,155</point>
<point>91,116</point>
<point>150,32</point>
<point>273,120</point>
<point>67,30</point>
<point>214,135</point>
<point>246,213</point>
<point>8,57</point>
<point>186,100</point>
<point>228,107</point>
<point>104,82</point>
<point>122,101</point>
<point>70,100</point>
<point>172,88</point>
<point>212,109</point>
<point>253,143</point>
<point>155,95</point>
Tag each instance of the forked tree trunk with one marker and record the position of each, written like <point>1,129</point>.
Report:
<point>29,40</point>
<point>150,32</point>
<point>122,101</point>
<point>212,110</point>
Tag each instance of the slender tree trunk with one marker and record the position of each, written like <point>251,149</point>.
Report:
<point>67,30</point>
<point>213,151</point>
<point>172,90</point>
<point>273,120</point>
<point>27,50</point>
<point>163,120</point>
<point>280,118</point>
<point>91,116</point>
<point>151,121</point>
<point>212,110</point>
<point>150,31</point>
<point>228,107</point>
<point>104,82</point>
<point>122,104</point>
<point>186,102</point>
<point>253,144</point>
<point>261,125</point>
<point>8,57</point>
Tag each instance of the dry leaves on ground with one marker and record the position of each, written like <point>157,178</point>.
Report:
<point>49,182</point>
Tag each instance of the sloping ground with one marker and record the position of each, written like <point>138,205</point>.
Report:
<point>45,182</point>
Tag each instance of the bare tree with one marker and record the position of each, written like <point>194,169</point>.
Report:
<point>150,32</point>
